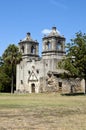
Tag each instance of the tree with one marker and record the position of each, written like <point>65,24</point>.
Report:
<point>75,60</point>
<point>5,79</point>
<point>5,75</point>
<point>1,61</point>
<point>11,57</point>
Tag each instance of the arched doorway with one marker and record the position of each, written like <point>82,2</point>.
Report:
<point>33,88</point>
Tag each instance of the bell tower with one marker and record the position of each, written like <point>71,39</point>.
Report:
<point>53,45</point>
<point>29,47</point>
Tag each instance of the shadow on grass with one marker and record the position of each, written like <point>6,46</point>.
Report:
<point>73,94</point>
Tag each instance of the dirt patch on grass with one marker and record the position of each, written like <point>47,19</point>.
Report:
<point>42,112</point>
<point>42,119</point>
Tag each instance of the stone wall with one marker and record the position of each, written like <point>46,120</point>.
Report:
<point>54,84</point>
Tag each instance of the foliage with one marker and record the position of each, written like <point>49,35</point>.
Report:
<point>5,79</point>
<point>10,58</point>
<point>1,61</point>
<point>75,60</point>
<point>12,55</point>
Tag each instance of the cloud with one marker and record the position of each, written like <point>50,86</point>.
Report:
<point>46,31</point>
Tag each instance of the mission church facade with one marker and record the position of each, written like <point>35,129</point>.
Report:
<point>40,74</point>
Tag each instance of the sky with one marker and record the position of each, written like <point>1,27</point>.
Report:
<point>17,17</point>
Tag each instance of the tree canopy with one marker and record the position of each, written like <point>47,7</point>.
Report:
<point>75,60</point>
<point>8,61</point>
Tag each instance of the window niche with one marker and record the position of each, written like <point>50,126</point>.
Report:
<point>21,81</point>
<point>59,45</point>
<point>22,49</point>
<point>32,50</point>
<point>37,71</point>
<point>60,86</point>
<point>48,45</point>
<point>29,72</point>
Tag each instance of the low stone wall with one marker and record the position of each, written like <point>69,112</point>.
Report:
<point>54,84</point>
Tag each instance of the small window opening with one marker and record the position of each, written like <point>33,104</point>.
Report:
<point>37,71</point>
<point>21,81</point>
<point>60,86</point>
<point>29,72</point>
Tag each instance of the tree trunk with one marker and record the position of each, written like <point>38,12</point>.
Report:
<point>12,83</point>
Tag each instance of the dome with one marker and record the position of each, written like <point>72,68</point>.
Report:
<point>28,37</point>
<point>54,32</point>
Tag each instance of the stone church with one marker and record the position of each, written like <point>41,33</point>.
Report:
<point>40,74</point>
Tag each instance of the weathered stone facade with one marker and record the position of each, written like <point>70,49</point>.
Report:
<point>40,74</point>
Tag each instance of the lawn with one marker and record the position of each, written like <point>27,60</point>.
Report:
<point>42,112</point>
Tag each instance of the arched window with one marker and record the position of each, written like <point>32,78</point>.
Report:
<point>59,46</point>
<point>32,50</point>
<point>48,46</point>
<point>22,49</point>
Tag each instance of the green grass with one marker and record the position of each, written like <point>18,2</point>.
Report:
<point>42,112</point>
